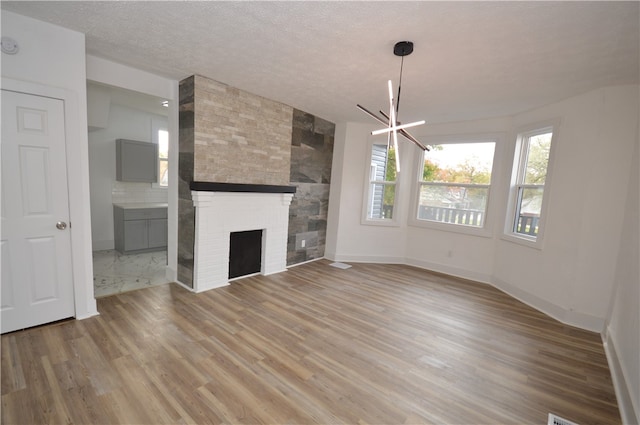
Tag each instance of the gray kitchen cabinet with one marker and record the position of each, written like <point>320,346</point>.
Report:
<point>139,229</point>
<point>136,161</point>
<point>157,233</point>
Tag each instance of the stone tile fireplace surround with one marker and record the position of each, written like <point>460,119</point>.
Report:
<point>223,208</point>
<point>232,136</point>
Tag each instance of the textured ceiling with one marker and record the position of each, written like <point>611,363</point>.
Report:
<point>471,59</point>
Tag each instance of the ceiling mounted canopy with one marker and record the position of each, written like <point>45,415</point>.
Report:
<point>402,49</point>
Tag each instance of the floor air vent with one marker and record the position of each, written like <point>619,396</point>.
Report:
<point>557,420</point>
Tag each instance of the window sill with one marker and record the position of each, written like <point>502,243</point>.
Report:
<point>158,186</point>
<point>384,222</point>
<point>523,240</point>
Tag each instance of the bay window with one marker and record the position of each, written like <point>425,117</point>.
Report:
<point>454,182</point>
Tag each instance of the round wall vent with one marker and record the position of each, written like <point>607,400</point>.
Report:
<point>9,46</point>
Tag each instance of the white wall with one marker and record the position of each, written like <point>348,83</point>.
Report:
<point>347,238</point>
<point>51,61</point>
<point>574,271</point>
<point>107,72</point>
<point>571,277</point>
<point>623,322</point>
<point>123,123</point>
<point>459,254</point>
<point>335,194</point>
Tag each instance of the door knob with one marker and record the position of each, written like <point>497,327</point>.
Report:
<point>61,225</point>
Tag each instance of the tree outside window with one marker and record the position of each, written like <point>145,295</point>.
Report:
<point>454,183</point>
<point>531,177</point>
<point>382,183</point>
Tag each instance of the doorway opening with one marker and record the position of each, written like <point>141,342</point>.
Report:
<point>141,258</point>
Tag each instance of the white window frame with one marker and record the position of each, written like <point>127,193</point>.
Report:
<point>373,171</point>
<point>156,126</point>
<point>367,198</point>
<point>486,229</point>
<point>523,135</point>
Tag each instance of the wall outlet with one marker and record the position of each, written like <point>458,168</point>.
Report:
<point>303,243</point>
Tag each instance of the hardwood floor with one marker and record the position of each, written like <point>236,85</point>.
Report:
<point>377,344</point>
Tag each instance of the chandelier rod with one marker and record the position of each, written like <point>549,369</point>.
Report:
<point>399,86</point>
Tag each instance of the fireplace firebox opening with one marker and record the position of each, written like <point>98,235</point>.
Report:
<point>245,253</point>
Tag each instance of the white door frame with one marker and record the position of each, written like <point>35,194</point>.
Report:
<point>78,186</point>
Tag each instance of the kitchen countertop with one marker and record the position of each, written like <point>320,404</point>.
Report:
<point>141,205</point>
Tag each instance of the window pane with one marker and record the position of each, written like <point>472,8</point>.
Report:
<point>453,204</point>
<point>529,206</point>
<point>530,200</point>
<point>381,198</point>
<point>537,158</point>
<point>459,163</point>
<point>163,143</point>
<point>164,175</point>
<point>384,161</point>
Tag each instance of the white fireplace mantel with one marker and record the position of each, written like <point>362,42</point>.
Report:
<point>218,214</point>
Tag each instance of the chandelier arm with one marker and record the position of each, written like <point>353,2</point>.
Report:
<point>408,136</point>
<point>386,121</point>
<point>397,127</point>
<point>374,116</point>
<point>392,127</point>
<point>414,140</point>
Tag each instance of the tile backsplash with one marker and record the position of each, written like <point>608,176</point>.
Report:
<point>126,192</point>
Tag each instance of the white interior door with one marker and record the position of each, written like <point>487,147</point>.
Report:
<point>37,284</point>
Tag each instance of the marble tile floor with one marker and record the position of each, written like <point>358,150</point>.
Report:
<point>115,273</point>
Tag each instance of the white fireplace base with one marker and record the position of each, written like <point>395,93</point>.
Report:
<point>220,213</point>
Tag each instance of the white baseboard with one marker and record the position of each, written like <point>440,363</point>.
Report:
<point>208,288</point>
<point>330,255</point>
<point>451,271</point>
<point>102,245</point>
<point>86,316</point>
<point>572,318</point>
<point>625,401</point>
<point>584,321</point>
<point>568,317</point>
<point>368,259</point>
<point>271,272</point>
<point>304,262</point>
<point>171,274</point>
<point>479,277</point>
<point>188,288</point>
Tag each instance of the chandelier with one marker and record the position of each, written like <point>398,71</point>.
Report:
<point>393,126</point>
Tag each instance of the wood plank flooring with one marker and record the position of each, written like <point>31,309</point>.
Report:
<point>376,344</point>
